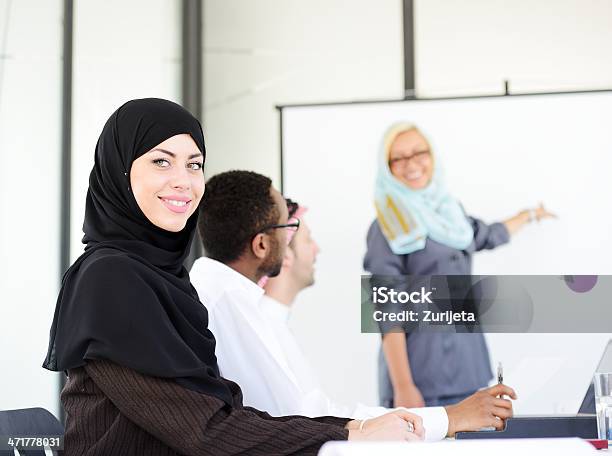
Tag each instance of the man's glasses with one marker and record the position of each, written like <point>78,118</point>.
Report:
<point>293,226</point>
<point>292,208</point>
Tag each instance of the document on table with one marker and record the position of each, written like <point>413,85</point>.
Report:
<point>497,447</point>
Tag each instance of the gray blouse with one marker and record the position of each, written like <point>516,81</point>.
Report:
<point>442,364</point>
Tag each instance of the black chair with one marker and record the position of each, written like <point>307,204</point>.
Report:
<point>29,422</point>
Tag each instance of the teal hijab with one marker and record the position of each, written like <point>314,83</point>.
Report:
<point>408,217</point>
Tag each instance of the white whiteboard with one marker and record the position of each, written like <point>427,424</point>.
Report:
<point>500,155</point>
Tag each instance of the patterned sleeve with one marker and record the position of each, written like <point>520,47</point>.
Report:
<point>193,423</point>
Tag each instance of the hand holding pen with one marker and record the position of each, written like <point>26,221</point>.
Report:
<point>487,408</point>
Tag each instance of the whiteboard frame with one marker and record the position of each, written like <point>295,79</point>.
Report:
<point>280,109</point>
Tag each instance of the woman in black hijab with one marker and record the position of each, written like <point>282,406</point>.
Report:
<point>128,298</point>
<point>128,327</point>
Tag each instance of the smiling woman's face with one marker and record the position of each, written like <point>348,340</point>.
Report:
<point>410,159</point>
<point>168,182</point>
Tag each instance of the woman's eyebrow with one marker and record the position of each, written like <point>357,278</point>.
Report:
<point>172,154</point>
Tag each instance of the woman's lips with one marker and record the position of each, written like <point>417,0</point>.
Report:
<point>176,205</point>
<point>414,176</point>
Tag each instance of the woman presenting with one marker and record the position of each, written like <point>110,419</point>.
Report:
<point>422,230</point>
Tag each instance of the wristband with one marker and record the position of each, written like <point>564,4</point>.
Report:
<point>531,215</point>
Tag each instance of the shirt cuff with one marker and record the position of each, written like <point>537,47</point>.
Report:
<point>435,422</point>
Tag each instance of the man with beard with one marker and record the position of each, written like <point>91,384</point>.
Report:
<point>243,223</point>
<point>245,226</point>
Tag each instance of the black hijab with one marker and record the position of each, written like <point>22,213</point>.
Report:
<point>128,298</point>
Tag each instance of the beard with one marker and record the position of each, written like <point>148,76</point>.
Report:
<point>273,262</point>
<point>310,280</point>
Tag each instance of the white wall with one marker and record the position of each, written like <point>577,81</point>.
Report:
<point>472,46</point>
<point>140,58</point>
<point>269,52</point>
<point>30,115</point>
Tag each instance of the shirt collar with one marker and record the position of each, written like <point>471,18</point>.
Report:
<point>221,277</point>
<point>275,309</point>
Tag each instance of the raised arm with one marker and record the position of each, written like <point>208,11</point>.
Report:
<point>514,224</point>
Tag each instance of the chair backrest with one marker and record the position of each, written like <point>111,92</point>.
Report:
<point>32,422</point>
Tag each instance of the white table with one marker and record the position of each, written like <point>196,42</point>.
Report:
<point>492,447</point>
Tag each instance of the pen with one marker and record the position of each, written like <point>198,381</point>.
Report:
<point>500,375</point>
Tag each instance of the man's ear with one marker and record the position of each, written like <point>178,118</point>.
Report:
<point>260,244</point>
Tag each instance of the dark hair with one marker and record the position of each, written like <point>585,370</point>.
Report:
<point>236,206</point>
<point>292,206</point>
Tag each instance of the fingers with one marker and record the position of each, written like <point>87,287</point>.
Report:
<point>397,425</point>
<point>503,403</point>
<point>418,430</point>
<point>500,389</point>
<point>502,413</point>
<point>407,416</point>
<point>543,213</point>
<point>412,437</point>
<point>416,421</point>
<point>497,424</point>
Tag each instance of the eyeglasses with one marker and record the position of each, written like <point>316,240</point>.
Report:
<point>292,208</point>
<point>419,156</point>
<point>293,226</point>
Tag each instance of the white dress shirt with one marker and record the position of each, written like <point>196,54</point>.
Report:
<point>256,349</point>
